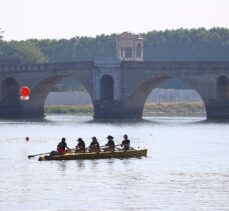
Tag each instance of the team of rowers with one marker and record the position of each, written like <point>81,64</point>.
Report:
<point>62,147</point>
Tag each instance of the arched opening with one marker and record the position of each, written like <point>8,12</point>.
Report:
<point>61,95</point>
<point>139,53</point>
<point>223,88</point>
<point>106,88</point>
<point>147,99</point>
<point>174,98</point>
<point>10,100</point>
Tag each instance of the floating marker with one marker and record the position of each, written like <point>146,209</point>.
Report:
<point>24,92</point>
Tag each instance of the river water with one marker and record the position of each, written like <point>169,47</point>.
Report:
<point>187,167</point>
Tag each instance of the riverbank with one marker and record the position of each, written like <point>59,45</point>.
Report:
<point>174,109</point>
<point>151,109</point>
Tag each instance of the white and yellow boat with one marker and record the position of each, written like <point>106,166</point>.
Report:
<point>97,155</point>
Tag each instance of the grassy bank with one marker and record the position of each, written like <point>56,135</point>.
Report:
<point>175,109</point>
<point>73,109</point>
<point>153,109</point>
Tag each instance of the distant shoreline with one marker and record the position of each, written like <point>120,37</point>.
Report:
<point>151,109</point>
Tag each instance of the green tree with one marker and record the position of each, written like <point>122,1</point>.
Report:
<point>23,51</point>
<point>1,33</point>
<point>169,45</point>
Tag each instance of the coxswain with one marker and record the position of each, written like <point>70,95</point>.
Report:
<point>80,147</point>
<point>94,146</point>
<point>110,144</point>
<point>61,146</point>
<point>125,143</point>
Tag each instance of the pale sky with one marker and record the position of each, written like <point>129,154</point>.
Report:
<point>24,19</point>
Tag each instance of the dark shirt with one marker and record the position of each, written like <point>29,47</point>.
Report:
<point>110,143</point>
<point>81,145</point>
<point>94,143</point>
<point>62,145</point>
<point>126,143</point>
<point>94,146</point>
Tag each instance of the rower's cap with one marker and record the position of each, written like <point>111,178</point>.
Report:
<point>125,136</point>
<point>63,139</point>
<point>110,137</point>
<point>79,139</point>
<point>94,138</point>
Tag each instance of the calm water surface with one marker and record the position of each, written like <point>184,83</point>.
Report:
<point>187,167</point>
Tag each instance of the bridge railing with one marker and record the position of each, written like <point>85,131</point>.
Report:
<point>47,67</point>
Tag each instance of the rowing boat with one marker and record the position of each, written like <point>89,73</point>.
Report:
<point>97,155</point>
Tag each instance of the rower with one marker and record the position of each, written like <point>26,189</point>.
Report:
<point>125,143</point>
<point>61,147</point>
<point>80,147</point>
<point>110,144</point>
<point>94,146</point>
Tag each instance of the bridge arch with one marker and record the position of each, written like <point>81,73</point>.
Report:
<point>223,87</point>
<point>106,88</point>
<point>10,103</point>
<point>137,97</point>
<point>41,89</point>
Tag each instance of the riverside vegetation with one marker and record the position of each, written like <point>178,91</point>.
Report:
<point>150,109</point>
<point>169,45</point>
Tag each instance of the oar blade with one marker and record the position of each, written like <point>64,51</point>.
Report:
<point>31,156</point>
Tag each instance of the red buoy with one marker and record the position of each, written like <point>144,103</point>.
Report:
<point>24,92</point>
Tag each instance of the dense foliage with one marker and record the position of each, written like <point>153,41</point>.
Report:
<point>187,45</point>
<point>170,45</point>
<point>77,48</point>
<point>1,34</point>
<point>24,51</point>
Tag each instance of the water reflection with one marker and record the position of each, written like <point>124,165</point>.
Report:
<point>80,164</point>
<point>62,166</point>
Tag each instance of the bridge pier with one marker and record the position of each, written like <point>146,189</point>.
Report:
<point>34,113</point>
<point>114,109</point>
<point>109,109</point>
<point>21,111</point>
<point>217,109</point>
<point>11,111</point>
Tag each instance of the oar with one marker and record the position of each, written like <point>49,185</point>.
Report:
<point>115,146</point>
<point>107,146</point>
<point>31,156</point>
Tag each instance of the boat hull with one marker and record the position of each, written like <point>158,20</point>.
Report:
<point>95,155</point>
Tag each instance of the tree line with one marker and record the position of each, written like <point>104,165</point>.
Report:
<point>169,45</point>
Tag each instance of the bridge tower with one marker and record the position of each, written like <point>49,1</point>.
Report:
<point>129,47</point>
<point>107,88</point>
<point>108,102</point>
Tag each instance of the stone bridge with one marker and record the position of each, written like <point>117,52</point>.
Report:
<point>118,89</point>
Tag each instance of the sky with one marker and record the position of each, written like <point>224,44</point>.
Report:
<point>57,19</point>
